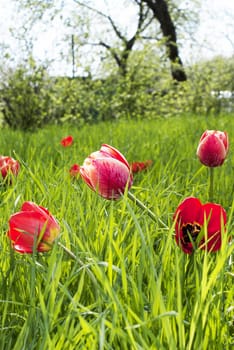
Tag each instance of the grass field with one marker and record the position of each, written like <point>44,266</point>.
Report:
<point>131,286</point>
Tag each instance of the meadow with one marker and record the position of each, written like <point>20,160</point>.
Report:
<point>128,285</point>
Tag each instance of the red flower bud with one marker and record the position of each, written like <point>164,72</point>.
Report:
<point>74,170</point>
<point>32,229</point>
<point>213,148</point>
<point>67,141</point>
<point>107,172</point>
<point>137,167</point>
<point>9,165</point>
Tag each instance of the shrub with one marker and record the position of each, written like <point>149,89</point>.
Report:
<point>29,98</point>
<point>26,98</point>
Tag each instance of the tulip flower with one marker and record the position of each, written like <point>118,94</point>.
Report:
<point>67,141</point>
<point>9,165</point>
<point>212,151</point>
<point>213,148</point>
<point>32,229</point>
<point>137,167</point>
<point>74,170</point>
<point>107,172</point>
<point>199,225</point>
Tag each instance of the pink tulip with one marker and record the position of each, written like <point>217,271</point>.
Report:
<point>213,148</point>
<point>107,172</point>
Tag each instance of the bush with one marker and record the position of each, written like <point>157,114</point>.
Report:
<point>26,98</point>
<point>207,82</point>
<point>30,98</point>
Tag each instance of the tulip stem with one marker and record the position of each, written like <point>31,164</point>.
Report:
<point>70,253</point>
<point>211,185</point>
<point>73,256</point>
<point>148,211</point>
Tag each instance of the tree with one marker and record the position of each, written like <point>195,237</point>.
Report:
<point>162,15</point>
<point>121,54</point>
<point>112,36</point>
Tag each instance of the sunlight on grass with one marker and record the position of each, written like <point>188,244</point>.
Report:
<point>131,287</point>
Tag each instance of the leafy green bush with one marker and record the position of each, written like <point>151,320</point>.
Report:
<point>207,81</point>
<point>29,98</point>
<point>26,98</point>
<point>79,100</point>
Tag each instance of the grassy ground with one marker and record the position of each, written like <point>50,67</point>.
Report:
<point>131,286</point>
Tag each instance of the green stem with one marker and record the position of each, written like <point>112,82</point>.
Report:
<point>73,256</point>
<point>147,210</point>
<point>211,185</point>
<point>70,253</point>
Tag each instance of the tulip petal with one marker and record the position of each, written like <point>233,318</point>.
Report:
<point>26,227</point>
<point>224,137</point>
<point>9,165</point>
<point>74,170</point>
<point>114,153</point>
<point>31,206</point>
<point>109,177</point>
<point>23,248</point>
<point>213,147</point>
<point>140,166</point>
<point>216,219</point>
<point>107,172</point>
<point>189,211</point>
<point>190,216</point>
<point>87,171</point>
<point>67,141</point>
<point>215,214</point>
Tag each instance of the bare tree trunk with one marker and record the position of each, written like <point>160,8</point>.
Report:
<point>161,13</point>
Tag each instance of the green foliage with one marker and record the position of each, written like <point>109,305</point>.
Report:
<point>26,98</point>
<point>131,287</point>
<point>80,100</point>
<point>207,81</point>
<point>30,99</point>
<point>147,91</point>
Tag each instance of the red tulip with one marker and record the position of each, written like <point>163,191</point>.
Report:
<point>190,218</point>
<point>213,148</point>
<point>32,229</point>
<point>74,170</point>
<point>107,172</point>
<point>9,165</point>
<point>67,141</point>
<point>136,167</point>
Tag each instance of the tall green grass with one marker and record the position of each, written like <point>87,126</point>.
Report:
<point>131,287</point>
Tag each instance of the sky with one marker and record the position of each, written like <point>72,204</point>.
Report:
<point>214,35</point>
<point>216,30</point>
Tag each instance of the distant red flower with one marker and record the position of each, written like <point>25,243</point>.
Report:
<point>213,148</point>
<point>140,166</point>
<point>190,218</point>
<point>32,229</point>
<point>74,170</point>
<point>9,165</point>
<point>107,172</point>
<point>67,141</point>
